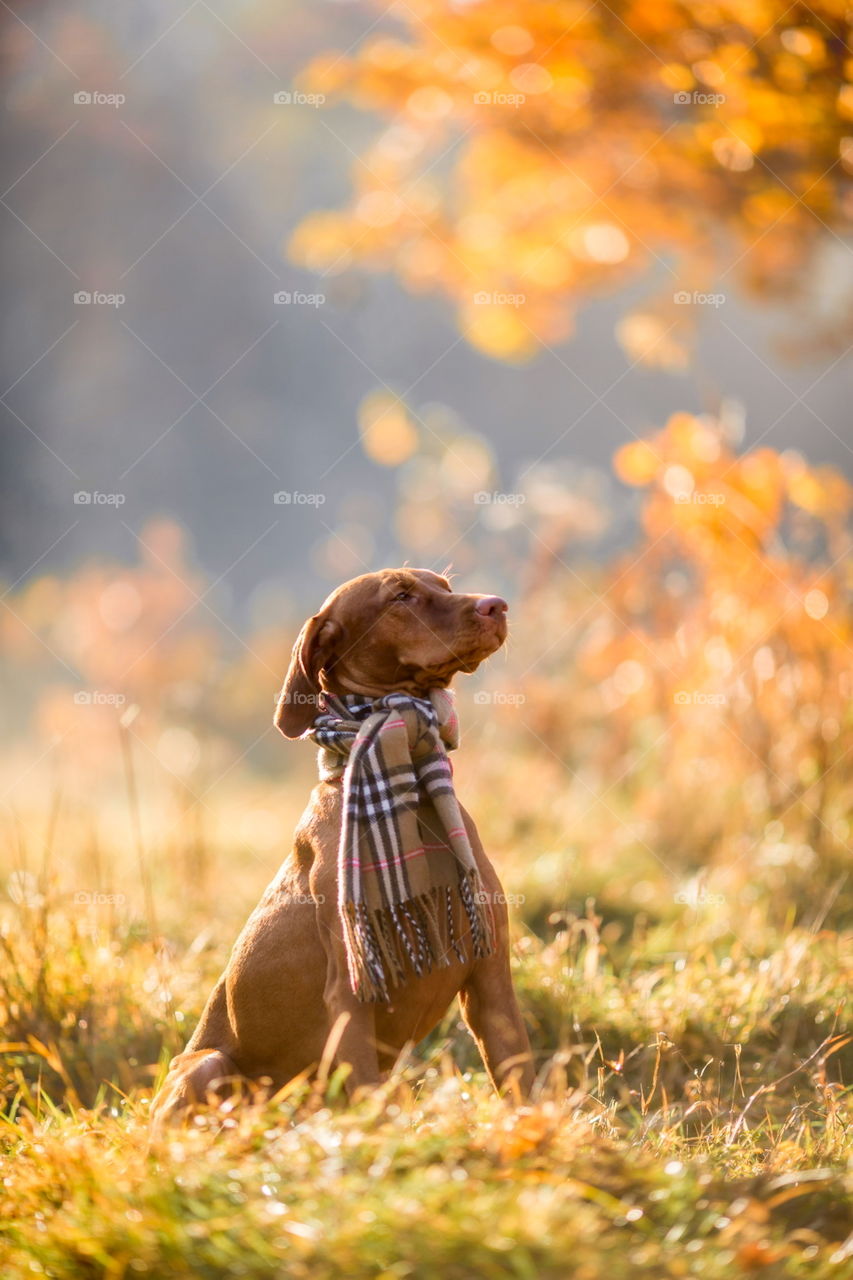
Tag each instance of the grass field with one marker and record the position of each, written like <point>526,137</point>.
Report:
<point>666,791</point>
<point>691,1117</point>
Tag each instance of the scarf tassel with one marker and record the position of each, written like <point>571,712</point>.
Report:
<point>416,936</point>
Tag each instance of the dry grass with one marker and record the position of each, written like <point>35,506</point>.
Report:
<point>691,1117</point>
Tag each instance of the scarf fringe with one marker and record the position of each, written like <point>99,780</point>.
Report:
<point>416,936</point>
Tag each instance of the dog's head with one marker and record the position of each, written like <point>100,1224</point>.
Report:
<point>399,629</point>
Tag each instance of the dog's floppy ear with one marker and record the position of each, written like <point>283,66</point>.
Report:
<point>298,701</point>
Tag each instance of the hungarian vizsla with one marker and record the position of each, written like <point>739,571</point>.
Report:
<point>285,998</point>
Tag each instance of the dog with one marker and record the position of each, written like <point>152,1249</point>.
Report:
<point>285,1002</point>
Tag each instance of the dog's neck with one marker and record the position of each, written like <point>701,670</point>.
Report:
<point>418,686</point>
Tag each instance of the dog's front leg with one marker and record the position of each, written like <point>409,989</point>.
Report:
<point>352,1025</point>
<point>493,1017</point>
<point>488,1001</point>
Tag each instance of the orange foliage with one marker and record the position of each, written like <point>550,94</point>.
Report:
<point>114,641</point>
<point>710,672</point>
<point>536,154</point>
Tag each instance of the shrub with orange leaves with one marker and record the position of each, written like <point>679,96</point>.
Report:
<point>142,639</point>
<point>538,154</point>
<point>710,669</point>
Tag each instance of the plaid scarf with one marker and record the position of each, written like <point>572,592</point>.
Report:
<point>404,859</point>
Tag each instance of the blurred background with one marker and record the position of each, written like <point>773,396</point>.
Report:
<point>197,397</point>
<point>557,294</point>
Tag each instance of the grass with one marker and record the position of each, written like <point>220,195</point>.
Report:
<point>691,1117</point>
<point>443,1181</point>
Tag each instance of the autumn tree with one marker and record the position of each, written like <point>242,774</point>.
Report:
<point>534,155</point>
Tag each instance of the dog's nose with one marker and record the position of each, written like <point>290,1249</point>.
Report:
<point>491,606</point>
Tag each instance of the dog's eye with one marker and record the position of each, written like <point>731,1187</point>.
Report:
<point>403,595</point>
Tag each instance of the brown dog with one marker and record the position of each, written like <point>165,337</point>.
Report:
<point>285,994</point>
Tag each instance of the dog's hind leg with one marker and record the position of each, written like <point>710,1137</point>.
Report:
<point>195,1079</point>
